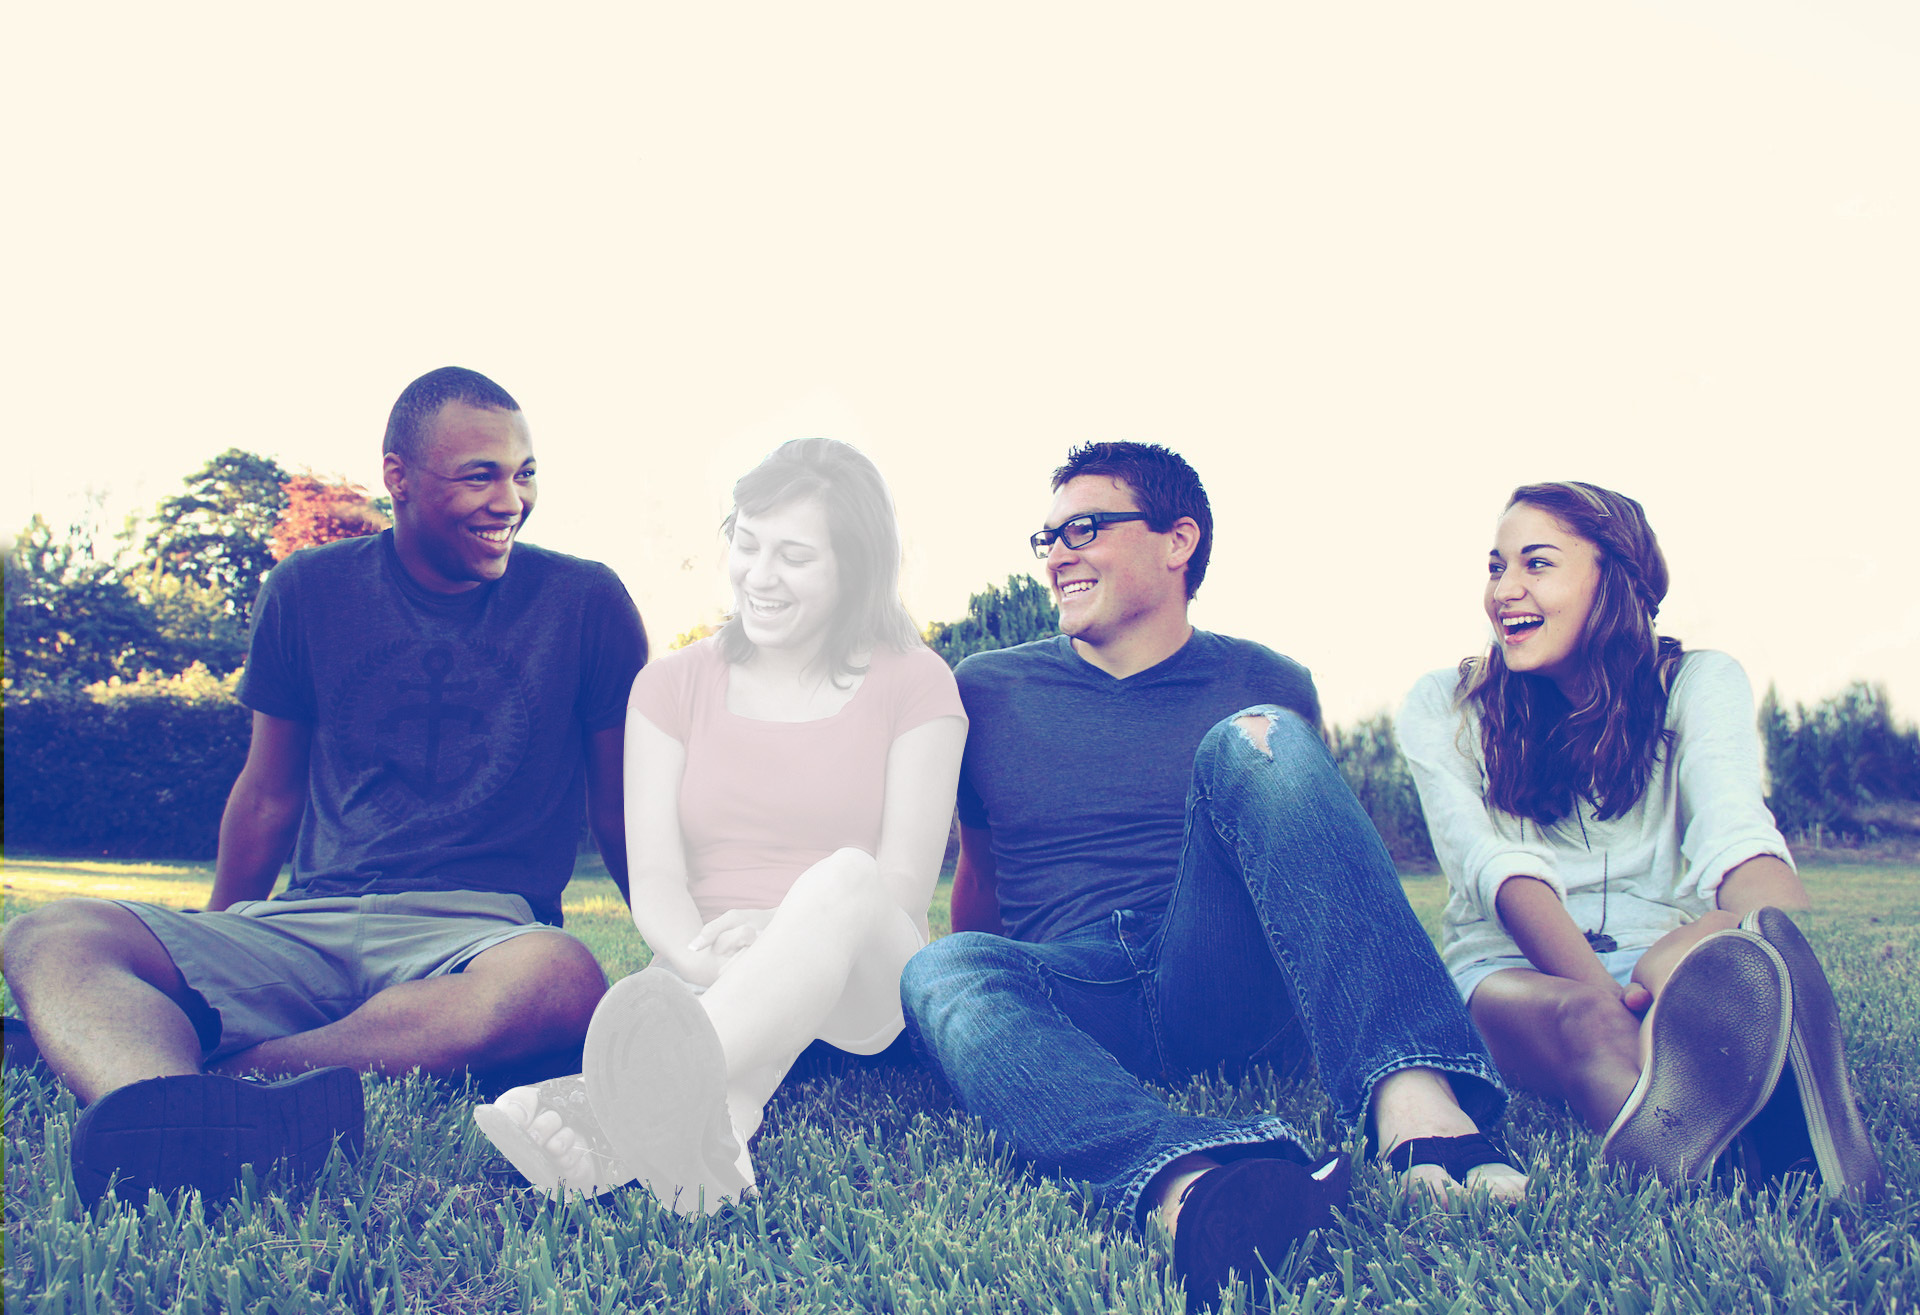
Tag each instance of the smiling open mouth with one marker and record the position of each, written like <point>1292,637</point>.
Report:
<point>1518,627</point>
<point>1072,587</point>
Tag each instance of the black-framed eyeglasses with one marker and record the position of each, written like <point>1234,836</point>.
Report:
<point>1081,530</point>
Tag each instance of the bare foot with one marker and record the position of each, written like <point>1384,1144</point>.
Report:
<point>530,1126</point>
<point>1419,1102</point>
<point>1169,1186</point>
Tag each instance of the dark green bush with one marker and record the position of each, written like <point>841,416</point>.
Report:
<point>998,618</point>
<point>1377,774</point>
<point>1833,767</point>
<point>133,769</point>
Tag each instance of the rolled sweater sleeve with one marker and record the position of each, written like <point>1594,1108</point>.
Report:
<point>1717,758</point>
<point>1478,854</point>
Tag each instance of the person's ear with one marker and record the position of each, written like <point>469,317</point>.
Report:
<point>1182,540</point>
<point>393,473</point>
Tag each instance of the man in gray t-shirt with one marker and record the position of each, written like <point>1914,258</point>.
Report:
<point>1162,872</point>
<point>433,709</point>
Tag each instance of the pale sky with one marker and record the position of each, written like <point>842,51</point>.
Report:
<point>1368,267</point>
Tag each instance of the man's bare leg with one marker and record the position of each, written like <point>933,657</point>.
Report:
<point>105,1002</point>
<point>529,996</point>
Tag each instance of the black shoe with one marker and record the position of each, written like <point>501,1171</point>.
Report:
<point>197,1130</point>
<point>1241,1215</point>
<point>1739,1167</point>
<point>1814,1113</point>
<point>22,1052</point>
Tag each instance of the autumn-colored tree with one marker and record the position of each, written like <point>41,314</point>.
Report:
<point>215,534</point>
<point>702,631</point>
<point>320,511</point>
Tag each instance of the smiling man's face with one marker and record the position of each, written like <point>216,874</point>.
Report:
<point>1120,581</point>
<point>459,506</point>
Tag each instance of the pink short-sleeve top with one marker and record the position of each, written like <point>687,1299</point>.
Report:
<point>762,801</point>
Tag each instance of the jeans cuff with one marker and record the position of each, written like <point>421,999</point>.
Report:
<point>1484,1102</point>
<point>1222,1136</point>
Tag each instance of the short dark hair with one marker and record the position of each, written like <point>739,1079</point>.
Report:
<point>422,399</point>
<point>865,538</point>
<point>1162,482</point>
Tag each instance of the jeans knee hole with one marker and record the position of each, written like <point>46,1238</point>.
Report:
<point>1255,727</point>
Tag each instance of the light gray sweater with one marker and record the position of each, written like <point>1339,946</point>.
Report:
<point>1654,868</point>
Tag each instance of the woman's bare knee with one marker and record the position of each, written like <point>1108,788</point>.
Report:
<point>846,882</point>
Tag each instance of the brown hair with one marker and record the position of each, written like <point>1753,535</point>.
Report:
<point>1543,753</point>
<point>1162,482</point>
<point>866,545</point>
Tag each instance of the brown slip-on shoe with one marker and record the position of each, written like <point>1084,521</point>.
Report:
<point>1815,1095</point>
<point>1245,1214</point>
<point>1714,1044</point>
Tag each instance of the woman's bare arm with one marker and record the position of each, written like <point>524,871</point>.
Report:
<point>656,854</point>
<point>923,771</point>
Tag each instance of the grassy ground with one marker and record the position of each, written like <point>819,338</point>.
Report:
<point>879,1195</point>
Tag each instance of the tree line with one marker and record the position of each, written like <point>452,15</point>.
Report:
<point>173,590</point>
<point>122,734</point>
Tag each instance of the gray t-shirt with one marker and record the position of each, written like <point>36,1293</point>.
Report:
<point>1083,778</point>
<point>449,731</point>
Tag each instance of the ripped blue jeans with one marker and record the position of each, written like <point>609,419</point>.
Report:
<point>1286,938</point>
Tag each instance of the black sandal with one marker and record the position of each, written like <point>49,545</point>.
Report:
<point>566,1097</point>
<point>1459,1156</point>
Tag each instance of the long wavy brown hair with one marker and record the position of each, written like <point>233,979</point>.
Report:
<point>1543,754</point>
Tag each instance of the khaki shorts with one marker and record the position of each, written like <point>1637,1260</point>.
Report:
<point>271,968</point>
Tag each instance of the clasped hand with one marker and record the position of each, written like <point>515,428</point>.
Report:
<point>733,931</point>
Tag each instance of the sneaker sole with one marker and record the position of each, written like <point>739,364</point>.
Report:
<point>1717,1040</point>
<point>196,1131</point>
<point>657,1081</point>
<point>1816,1053</point>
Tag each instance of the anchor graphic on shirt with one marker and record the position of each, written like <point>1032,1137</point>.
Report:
<point>435,711</point>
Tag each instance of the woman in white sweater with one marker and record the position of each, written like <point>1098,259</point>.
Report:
<point>1615,881</point>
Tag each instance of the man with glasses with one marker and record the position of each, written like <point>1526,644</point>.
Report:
<point>1161,872</point>
<point>431,707</point>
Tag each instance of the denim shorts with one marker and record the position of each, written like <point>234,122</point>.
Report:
<point>1618,963</point>
<point>272,968</point>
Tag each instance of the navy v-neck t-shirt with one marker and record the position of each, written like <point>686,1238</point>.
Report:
<point>1083,778</point>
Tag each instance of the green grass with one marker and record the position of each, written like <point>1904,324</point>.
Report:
<point>879,1195</point>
